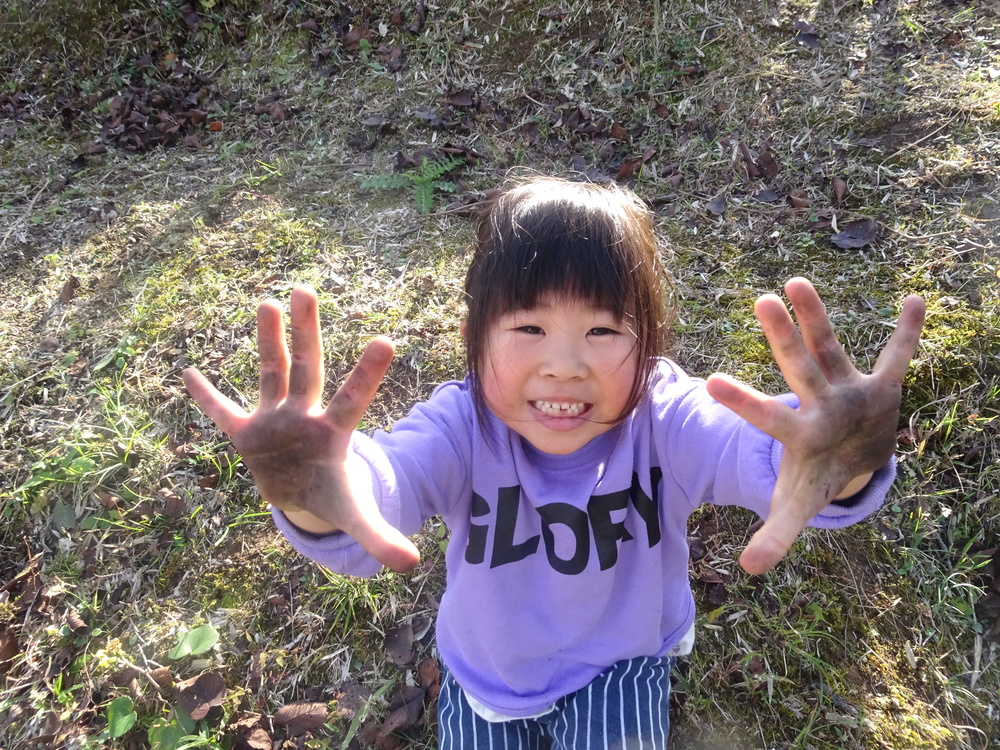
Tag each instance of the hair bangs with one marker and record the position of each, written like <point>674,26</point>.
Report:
<point>560,249</point>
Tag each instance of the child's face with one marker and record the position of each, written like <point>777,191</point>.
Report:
<point>560,373</point>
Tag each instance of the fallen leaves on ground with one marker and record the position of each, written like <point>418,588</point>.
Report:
<point>200,694</point>
<point>718,205</point>
<point>856,234</point>
<point>399,645</point>
<point>251,734</point>
<point>302,716</point>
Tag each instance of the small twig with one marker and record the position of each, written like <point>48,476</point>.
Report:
<point>547,107</point>
<point>21,218</point>
<point>916,142</point>
<point>906,236</point>
<point>144,672</point>
<point>14,385</point>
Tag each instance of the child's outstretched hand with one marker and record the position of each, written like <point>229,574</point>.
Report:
<point>296,450</point>
<point>845,426</point>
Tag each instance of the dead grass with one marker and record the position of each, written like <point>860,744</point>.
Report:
<point>123,507</point>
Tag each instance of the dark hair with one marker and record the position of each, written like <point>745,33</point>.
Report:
<point>594,243</point>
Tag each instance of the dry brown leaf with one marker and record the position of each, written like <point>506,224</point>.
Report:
<point>250,735</point>
<point>798,199</point>
<point>839,189</point>
<point>68,291</point>
<point>753,171</point>
<point>405,709</point>
<point>371,735</point>
<point>351,698</point>
<point>768,165</point>
<point>209,481</point>
<point>301,716</point>
<point>399,644</point>
<point>628,169</point>
<point>9,648</point>
<point>461,98</point>
<point>174,505</point>
<point>255,739</point>
<point>197,696</point>
<point>76,623</point>
<point>421,18</point>
<point>718,204</point>
<point>856,234</point>
<point>766,196</point>
<point>429,676</point>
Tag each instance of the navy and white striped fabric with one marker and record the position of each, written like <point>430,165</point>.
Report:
<point>627,707</point>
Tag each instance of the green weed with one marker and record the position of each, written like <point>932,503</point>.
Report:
<point>423,182</point>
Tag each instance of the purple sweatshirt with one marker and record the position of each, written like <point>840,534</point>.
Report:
<point>560,566</point>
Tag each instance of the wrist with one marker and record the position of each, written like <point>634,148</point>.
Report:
<point>855,486</point>
<point>303,520</point>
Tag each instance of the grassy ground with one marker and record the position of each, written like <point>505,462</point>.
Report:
<point>163,168</point>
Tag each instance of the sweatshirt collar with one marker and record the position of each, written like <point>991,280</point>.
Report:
<point>599,448</point>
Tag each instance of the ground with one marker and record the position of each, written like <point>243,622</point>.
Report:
<point>164,167</point>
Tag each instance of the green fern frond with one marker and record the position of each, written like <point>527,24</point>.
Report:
<point>423,195</point>
<point>430,171</point>
<point>388,181</point>
<point>424,181</point>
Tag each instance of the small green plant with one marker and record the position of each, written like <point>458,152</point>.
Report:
<point>367,54</point>
<point>423,182</point>
<point>196,641</point>
<point>121,718</point>
<point>69,468</point>
<point>179,732</point>
<point>120,355</point>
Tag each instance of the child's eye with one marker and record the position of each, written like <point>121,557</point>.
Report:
<point>602,331</point>
<point>533,330</point>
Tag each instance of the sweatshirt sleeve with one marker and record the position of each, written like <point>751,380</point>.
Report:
<point>715,456</point>
<point>418,470</point>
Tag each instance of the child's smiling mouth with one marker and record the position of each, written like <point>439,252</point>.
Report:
<point>556,409</point>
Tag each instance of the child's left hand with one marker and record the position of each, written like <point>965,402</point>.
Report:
<point>845,426</point>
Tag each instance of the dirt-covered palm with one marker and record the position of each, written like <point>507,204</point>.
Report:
<point>296,450</point>
<point>846,422</point>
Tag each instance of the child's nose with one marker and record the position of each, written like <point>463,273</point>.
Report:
<point>563,359</point>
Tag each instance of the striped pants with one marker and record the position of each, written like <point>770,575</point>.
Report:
<point>625,707</point>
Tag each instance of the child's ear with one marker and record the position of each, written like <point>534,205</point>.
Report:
<point>462,328</point>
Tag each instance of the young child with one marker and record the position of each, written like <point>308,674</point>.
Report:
<point>566,465</point>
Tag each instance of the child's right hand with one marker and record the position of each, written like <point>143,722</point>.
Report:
<point>296,450</point>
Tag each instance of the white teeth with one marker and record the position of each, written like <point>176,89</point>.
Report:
<point>559,410</point>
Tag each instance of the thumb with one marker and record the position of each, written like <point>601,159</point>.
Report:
<point>771,543</point>
<point>384,542</point>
